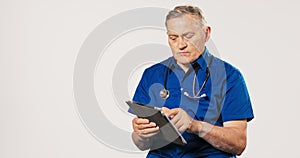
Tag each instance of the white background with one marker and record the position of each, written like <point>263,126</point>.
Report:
<point>41,39</point>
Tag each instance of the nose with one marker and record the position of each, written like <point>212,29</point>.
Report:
<point>182,43</point>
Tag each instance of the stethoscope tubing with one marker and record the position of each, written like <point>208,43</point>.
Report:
<point>165,93</point>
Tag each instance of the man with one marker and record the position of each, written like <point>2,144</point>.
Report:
<point>205,97</point>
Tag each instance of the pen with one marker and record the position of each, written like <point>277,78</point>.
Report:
<point>157,108</point>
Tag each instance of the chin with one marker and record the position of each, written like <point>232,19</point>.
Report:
<point>183,60</point>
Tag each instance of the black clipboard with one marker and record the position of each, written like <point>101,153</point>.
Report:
<point>156,115</point>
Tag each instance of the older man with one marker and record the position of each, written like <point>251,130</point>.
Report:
<point>205,97</point>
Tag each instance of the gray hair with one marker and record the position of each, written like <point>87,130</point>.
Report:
<point>183,10</point>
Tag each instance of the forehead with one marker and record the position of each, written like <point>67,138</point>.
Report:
<point>184,23</point>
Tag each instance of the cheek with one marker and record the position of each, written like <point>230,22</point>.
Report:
<point>172,45</point>
<point>194,45</point>
<point>197,44</point>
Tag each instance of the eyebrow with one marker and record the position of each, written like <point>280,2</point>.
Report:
<point>188,33</point>
<point>173,35</point>
<point>184,34</point>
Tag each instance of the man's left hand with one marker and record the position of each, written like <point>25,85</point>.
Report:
<point>181,120</point>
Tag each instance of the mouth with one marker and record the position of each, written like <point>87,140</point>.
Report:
<point>183,53</point>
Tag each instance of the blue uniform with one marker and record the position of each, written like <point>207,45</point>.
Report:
<point>226,98</point>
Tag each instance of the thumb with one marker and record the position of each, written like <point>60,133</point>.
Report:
<point>166,111</point>
<point>172,112</point>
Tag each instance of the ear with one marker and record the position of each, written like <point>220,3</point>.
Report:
<point>207,31</point>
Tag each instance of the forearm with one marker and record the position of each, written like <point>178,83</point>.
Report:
<point>228,139</point>
<point>141,143</point>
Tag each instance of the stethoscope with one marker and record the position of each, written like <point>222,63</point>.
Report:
<point>165,93</point>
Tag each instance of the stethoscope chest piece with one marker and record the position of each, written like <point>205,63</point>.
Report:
<point>164,94</point>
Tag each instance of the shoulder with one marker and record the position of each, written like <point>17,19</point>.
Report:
<point>157,68</point>
<point>225,69</point>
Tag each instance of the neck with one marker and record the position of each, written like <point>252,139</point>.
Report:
<point>185,67</point>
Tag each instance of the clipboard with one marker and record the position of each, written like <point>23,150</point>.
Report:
<point>156,115</point>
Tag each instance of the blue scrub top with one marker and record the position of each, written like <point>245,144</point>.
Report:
<point>226,99</point>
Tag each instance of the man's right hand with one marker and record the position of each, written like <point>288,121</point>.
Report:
<point>144,128</point>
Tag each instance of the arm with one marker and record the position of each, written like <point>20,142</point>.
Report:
<point>230,138</point>
<point>143,131</point>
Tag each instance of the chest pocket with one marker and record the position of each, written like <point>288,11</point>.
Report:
<point>196,107</point>
<point>174,99</point>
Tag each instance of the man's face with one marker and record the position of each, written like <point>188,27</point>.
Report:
<point>187,38</point>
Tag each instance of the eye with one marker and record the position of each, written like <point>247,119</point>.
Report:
<point>172,37</point>
<point>189,35</point>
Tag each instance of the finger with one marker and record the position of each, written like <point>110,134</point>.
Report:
<point>139,127</point>
<point>150,130</point>
<point>141,121</point>
<point>144,126</point>
<point>179,123</point>
<point>183,124</point>
<point>135,121</point>
<point>166,110</point>
<point>134,125</point>
<point>148,135</point>
<point>173,112</point>
<point>175,119</point>
<point>182,128</point>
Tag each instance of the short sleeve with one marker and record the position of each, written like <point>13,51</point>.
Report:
<point>237,104</point>
<point>141,94</point>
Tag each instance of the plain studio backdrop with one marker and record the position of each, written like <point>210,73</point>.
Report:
<point>41,40</point>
